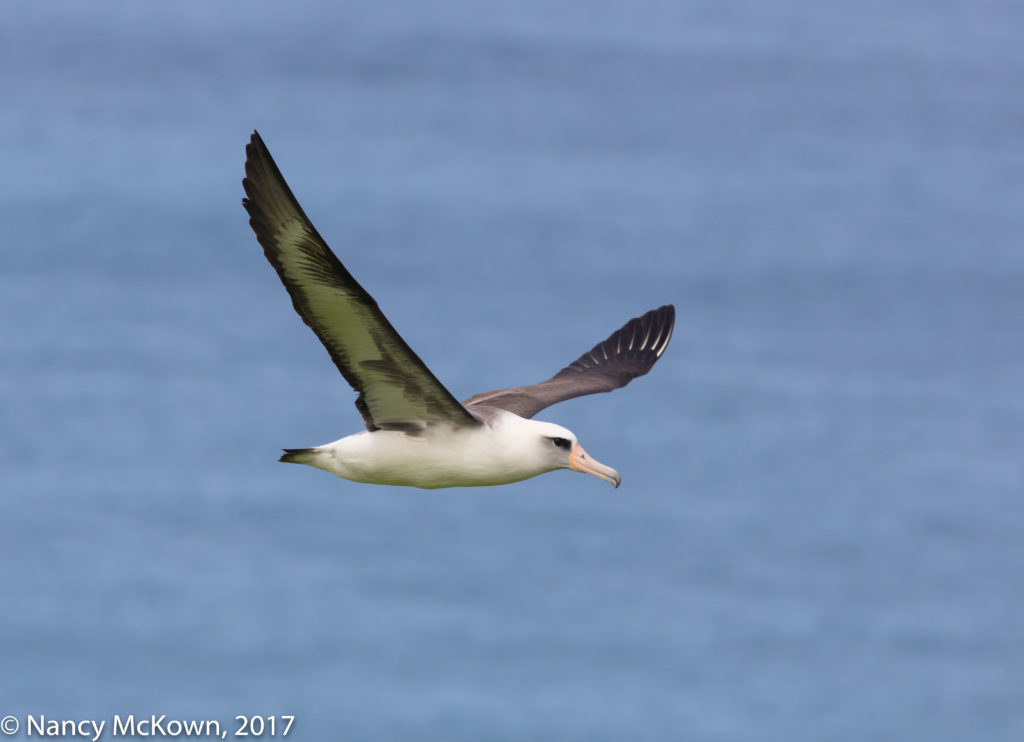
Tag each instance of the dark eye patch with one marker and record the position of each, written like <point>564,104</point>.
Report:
<point>562,443</point>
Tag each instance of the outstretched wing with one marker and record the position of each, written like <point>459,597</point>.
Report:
<point>396,389</point>
<point>630,352</point>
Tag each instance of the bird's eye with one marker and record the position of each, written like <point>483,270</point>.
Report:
<point>562,443</point>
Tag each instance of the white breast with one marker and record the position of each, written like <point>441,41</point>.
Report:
<point>507,450</point>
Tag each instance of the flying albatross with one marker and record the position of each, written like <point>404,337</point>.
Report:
<point>417,434</point>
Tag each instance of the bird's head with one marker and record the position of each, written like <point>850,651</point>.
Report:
<point>560,448</point>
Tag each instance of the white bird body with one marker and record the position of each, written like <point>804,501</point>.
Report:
<point>508,449</point>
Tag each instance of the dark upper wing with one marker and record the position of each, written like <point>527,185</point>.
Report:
<point>630,352</point>
<point>396,389</point>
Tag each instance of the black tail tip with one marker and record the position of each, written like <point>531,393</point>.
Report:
<point>294,455</point>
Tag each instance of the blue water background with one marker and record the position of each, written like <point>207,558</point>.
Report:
<point>820,531</point>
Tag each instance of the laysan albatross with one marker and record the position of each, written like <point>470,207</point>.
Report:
<point>417,434</point>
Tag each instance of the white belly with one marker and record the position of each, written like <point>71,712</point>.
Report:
<point>435,458</point>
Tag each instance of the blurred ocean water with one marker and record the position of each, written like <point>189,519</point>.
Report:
<point>818,535</point>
